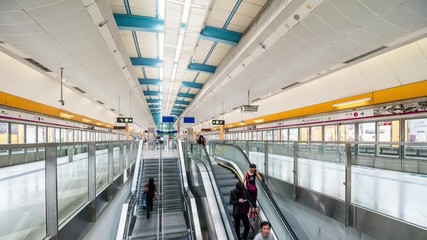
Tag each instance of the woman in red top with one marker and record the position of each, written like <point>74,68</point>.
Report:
<point>250,183</point>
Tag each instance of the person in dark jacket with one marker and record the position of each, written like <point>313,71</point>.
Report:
<point>240,201</point>
<point>150,191</point>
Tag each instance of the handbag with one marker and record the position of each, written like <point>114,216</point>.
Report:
<point>144,201</point>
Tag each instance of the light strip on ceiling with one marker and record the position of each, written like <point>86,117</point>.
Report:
<point>362,100</point>
<point>184,19</point>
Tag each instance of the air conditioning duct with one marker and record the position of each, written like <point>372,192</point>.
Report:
<point>249,108</point>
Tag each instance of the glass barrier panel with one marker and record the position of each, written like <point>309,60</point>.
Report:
<point>25,204</point>
<point>281,161</point>
<point>116,160</point>
<point>101,157</point>
<point>72,179</point>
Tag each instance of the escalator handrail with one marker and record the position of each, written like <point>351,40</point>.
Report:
<point>214,182</point>
<point>193,215</point>
<point>264,187</point>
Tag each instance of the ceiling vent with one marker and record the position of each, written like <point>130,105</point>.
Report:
<point>100,102</point>
<point>290,85</point>
<point>249,108</point>
<point>79,89</point>
<point>37,64</point>
<point>365,54</point>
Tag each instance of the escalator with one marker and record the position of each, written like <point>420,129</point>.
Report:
<point>227,182</point>
<point>167,217</point>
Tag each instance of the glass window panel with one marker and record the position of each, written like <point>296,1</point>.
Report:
<point>276,135</point>
<point>4,133</point>
<point>316,133</point>
<point>416,130</point>
<point>284,134</point>
<point>367,132</point>
<point>31,134</point>
<point>41,134</point>
<point>17,133</point>
<point>293,134</point>
<point>70,135</point>
<point>304,134</point>
<point>347,132</point>
<point>57,135</point>
<point>388,131</point>
<point>267,136</point>
<point>331,133</point>
<point>64,135</point>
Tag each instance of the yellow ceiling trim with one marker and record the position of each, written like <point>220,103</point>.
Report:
<point>34,107</point>
<point>414,90</point>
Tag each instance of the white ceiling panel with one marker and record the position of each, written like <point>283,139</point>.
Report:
<point>408,63</point>
<point>138,72</point>
<point>316,25</point>
<point>56,10</point>
<point>405,18</point>
<point>419,7</point>
<point>248,9</point>
<point>356,12</point>
<point>189,75</point>
<point>224,5</point>
<point>385,30</point>
<point>219,16</point>
<point>146,42</point>
<point>173,15</point>
<point>257,2</point>
<point>380,7</point>
<point>378,74</point>
<point>143,7</point>
<point>203,77</point>
<point>365,38</point>
<point>311,38</point>
<point>152,72</point>
<point>334,18</point>
<point>215,23</point>
<point>239,20</point>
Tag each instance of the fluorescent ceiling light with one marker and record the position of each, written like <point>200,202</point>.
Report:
<point>86,120</point>
<point>352,102</point>
<point>65,115</point>
<point>161,8</point>
<point>259,120</point>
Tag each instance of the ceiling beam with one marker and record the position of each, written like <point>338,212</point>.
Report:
<point>192,85</point>
<point>139,23</point>
<point>179,107</point>
<point>149,81</point>
<point>182,102</point>
<point>152,93</point>
<point>146,62</point>
<point>202,68</point>
<point>220,35</point>
<point>153,100</point>
<point>154,106</point>
<point>186,95</point>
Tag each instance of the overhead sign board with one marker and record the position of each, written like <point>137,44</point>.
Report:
<point>169,119</point>
<point>218,122</point>
<point>124,120</point>
<point>189,120</point>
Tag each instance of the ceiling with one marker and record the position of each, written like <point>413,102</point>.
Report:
<point>201,57</point>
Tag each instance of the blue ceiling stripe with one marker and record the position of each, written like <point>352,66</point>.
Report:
<point>179,107</point>
<point>126,2</point>
<point>139,23</point>
<point>152,93</point>
<point>186,95</point>
<point>182,102</point>
<point>236,6</point>
<point>146,62</point>
<point>202,67</point>
<point>191,85</point>
<point>153,100</point>
<point>220,35</point>
<point>149,81</point>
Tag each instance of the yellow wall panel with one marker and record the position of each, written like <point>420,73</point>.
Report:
<point>2,98</point>
<point>48,110</point>
<point>409,91</point>
<point>21,103</point>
